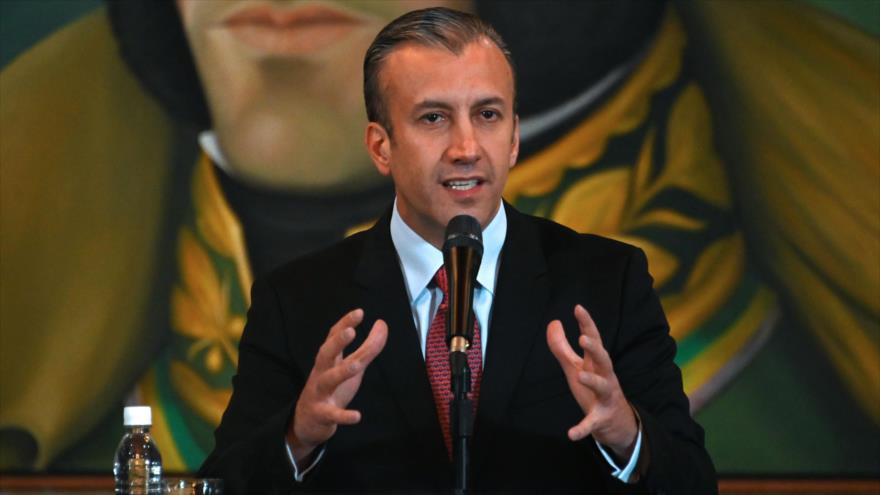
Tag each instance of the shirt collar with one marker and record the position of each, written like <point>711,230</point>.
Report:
<point>211,146</point>
<point>420,260</point>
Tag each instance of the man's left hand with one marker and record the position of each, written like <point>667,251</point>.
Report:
<point>608,415</point>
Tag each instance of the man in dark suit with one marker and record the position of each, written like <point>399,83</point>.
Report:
<point>352,410</point>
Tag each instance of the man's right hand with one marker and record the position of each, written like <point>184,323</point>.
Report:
<point>332,384</point>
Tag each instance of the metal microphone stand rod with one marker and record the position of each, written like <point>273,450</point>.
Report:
<point>461,413</point>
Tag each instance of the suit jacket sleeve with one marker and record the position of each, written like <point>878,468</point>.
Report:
<point>249,452</point>
<point>643,354</point>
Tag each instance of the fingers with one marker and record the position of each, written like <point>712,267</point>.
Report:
<point>372,346</point>
<point>585,322</point>
<point>338,416</point>
<point>582,429</point>
<point>560,348</point>
<point>341,334</point>
<point>597,354</point>
<point>599,385</point>
<point>350,320</point>
<point>333,382</point>
<point>591,342</point>
<point>356,362</point>
<point>591,378</point>
<point>328,380</point>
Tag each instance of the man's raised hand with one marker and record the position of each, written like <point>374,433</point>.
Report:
<point>608,415</point>
<point>332,384</point>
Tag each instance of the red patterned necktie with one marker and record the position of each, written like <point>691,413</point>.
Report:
<point>437,362</point>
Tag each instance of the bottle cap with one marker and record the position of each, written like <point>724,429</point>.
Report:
<point>137,416</point>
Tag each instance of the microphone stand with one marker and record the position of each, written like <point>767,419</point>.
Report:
<point>462,253</point>
<point>461,414</point>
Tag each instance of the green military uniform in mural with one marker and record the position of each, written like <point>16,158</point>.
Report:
<point>638,163</point>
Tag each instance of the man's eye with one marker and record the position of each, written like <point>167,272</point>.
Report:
<point>489,114</point>
<point>432,117</point>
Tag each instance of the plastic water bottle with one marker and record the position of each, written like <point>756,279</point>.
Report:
<point>138,465</point>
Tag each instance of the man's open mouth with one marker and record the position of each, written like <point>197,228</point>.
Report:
<point>462,185</point>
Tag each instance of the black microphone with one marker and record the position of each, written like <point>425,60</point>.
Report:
<point>462,253</point>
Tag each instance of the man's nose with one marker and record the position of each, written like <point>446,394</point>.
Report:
<point>464,148</point>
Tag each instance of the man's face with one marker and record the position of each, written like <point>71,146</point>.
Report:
<point>455,136</point>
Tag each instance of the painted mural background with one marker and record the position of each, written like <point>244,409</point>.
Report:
<point>735,142</point>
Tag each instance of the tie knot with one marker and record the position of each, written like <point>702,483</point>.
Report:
<point>441,281</point>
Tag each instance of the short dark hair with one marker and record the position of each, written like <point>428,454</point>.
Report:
<point>436,27</point>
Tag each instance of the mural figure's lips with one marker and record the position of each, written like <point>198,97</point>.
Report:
<point>301,30</point>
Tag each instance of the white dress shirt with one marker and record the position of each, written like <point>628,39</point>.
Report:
<point>420,261</point>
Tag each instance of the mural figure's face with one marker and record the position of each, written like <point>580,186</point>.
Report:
<point>283,80</point>
<point>454,133</point>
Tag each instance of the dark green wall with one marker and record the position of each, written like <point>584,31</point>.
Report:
<point>25,22</point>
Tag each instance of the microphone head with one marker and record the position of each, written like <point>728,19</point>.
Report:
<point>463,231</point>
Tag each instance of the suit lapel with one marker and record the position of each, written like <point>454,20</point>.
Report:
<point>401,362</point>
<point>521,297</point>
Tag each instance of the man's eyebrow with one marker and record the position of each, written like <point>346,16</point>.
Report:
<point>491,100</point>
<point>431,104</point>
<point>443,105</point>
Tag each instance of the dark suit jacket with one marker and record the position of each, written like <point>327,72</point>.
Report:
<point>525,407</point>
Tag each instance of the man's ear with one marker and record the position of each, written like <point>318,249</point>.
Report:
<point>378,144</point>
<point>514,146</point>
